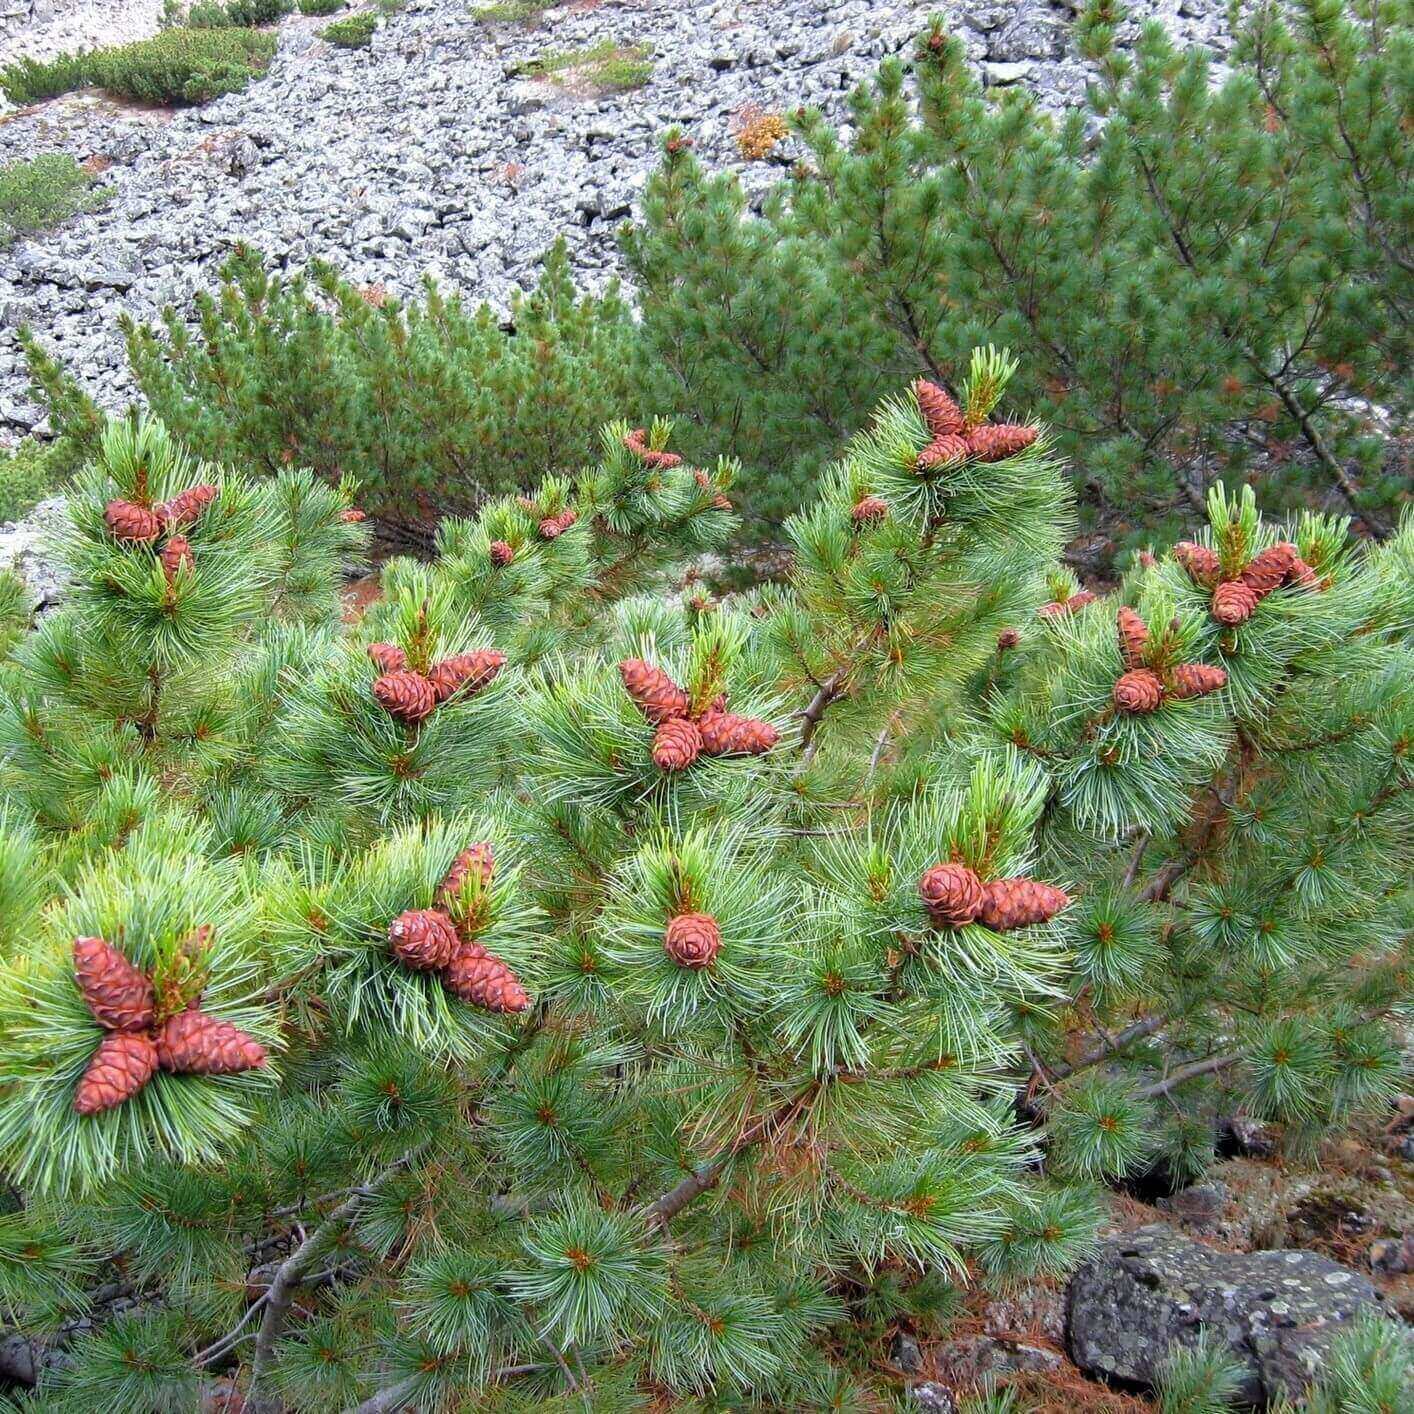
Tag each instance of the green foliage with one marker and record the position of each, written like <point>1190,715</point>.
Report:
<point>176,65</point>
<point>320,7</point>
<point>974,937</point>
<point>512,11</point>
<point>1370,1370</point>
<point>219,14</point>
<point>1210,285</point>
<point>356,32</point>
<point>608,66</point>
<point>28,473</point>
<point>429,404</point>
<point>40,193</point>
<point>1200,1379</point>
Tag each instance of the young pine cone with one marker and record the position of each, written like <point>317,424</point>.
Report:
<point>1199,562</point>
<point>387,657</point>
<point>193,1043</point>
<point>465,672</point>
<point>479,858</point>
<point>132,524</point>
<point>952,894</point>
<point>352,516</point>
<point>123,1063</point>
<point>1018,903</point>
<point>552,527</point>
<point>676,744</point>
<point>407,696</point>
<point>1196,680</point>
<point>753,737</point>
<point>1301,573</point>
<point>424,939</point>
<point>1233,603</point>
<point>995,441</point>
<point>118,995</point>
<point>481,978</point>
<point>869,510</point>
<point>1063,608</point>
<point>501,554</point>
<point>1268,570</point>
<point>176,555</point>
<point>1139,690</point>
<point>940,410</point>
<point>719,731</point>
<point>1007,638</point>
<point>187,506</point>
<point>1133,638</point>
<point>637,442</point>
<point>942,451</point>
<point>692,939</point>
<point>654,693</point>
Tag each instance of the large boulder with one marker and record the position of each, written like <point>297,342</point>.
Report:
<point>1276,1311</point>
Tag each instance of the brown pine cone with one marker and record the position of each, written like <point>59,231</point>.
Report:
<point>176,554</point>
<point>407,696</point>
<point>465,672</point>
<point>501,554</point>
<point>1063,608</point>
<point>1019,903</point>
<point>1139,690</point>
<point>692,939</point>
<point>1196,680</point>
<point>1133,638</point>
<point>1301,573</point>
<point>1007,638</point>
<point>939,408</point>
<point>952,894</point>
<point>1269,569</point>
<point>676,744</point>
<point>132,524</point>
<point>868,510</point>
<point>1199,562</point>
<point>352,516</point>
<point>718,730</point>
<point>654,693</point>
<point>479,857</point>
<point>193,1043</point>
<point>637,442</point>
<point>187,506</point>
<point>942,450</point>
<point>423,938</point>
<point>387,657</point>
<point>552,527</point>
<point>995,441</point>
<point>122,1064</point>
<point>481,978</point>
<point>118,995</point>
<point>1233,603</point>
<point>753,737</point>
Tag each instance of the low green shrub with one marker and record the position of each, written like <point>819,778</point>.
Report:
<point>181,65</point>
<point>320,7</point>
<point>40,193</point>
<point>431,405</point>
<point>29,81</point>
<point>356,32</point>
<point>28,473</point>
<point>241,14</point>
<point>612,67</point>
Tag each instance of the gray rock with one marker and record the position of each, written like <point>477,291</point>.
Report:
<point>906,1354</point>
<point>26,547</point>
<point>1275,1311</point>
<point>932,1397</point>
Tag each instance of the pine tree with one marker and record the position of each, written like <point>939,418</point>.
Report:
<point>1211,277</point>
<point>630,1008</point>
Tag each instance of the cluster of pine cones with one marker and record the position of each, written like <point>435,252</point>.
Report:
<point>411,696</point>
<point>955,438</point>
<point>692,939</point>
<point>1236,598</point>
<point>1145,688</point>
<point>637,442</point>
<point>428,940</point>
<point>681,736</point>
<point>123,1002</point>
<point>954,895</point>
<point>551,527</point>
<point>132,524</point>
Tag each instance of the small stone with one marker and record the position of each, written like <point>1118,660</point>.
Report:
<point>932,1397</point>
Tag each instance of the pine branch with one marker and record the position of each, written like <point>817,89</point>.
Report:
<point>1185,1073</point>
<point>810,718</point>
<point>1112,1046</point>
<point>388,1400</point>
<point>292,1271</point>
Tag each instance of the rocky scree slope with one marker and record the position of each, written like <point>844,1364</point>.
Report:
<point>432,151</point>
